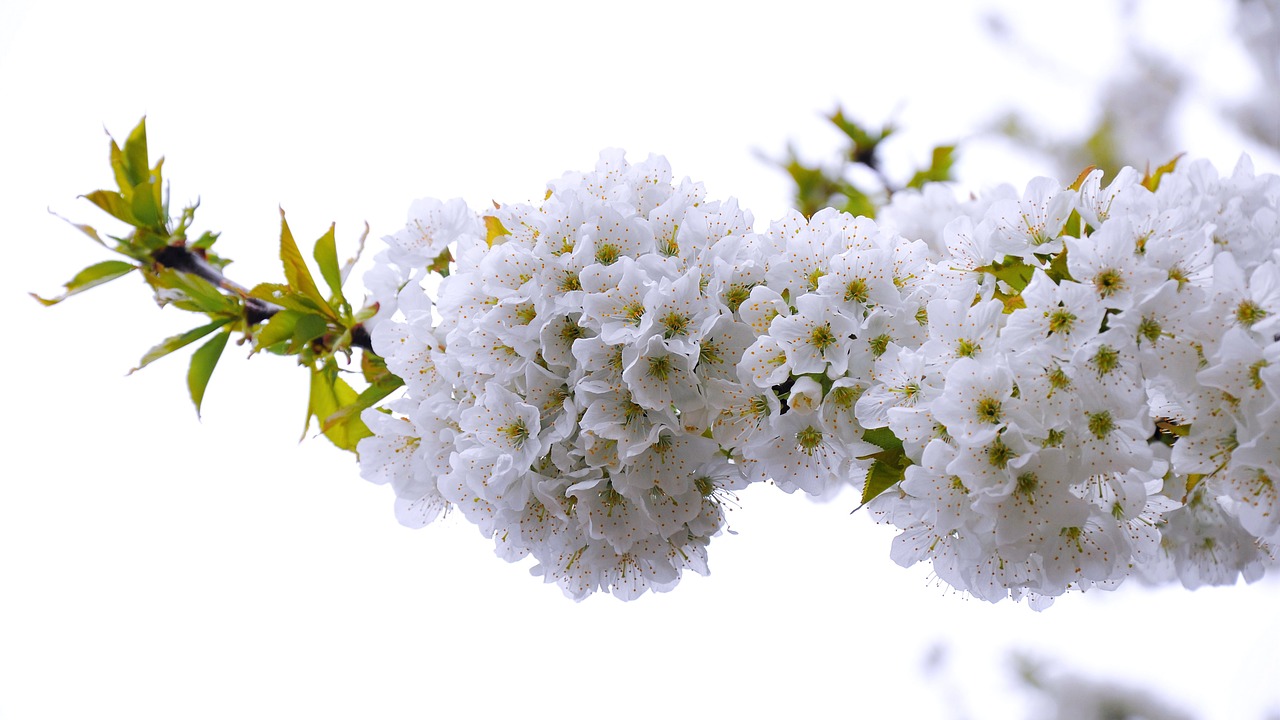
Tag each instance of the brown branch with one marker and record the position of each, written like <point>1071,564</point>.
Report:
<point>184,259</point>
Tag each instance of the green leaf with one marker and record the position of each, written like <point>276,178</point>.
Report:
<point>1012,271</point>
<point>146,208</point>
<point>136,165</point>
<point>178,341</point>
<point>441,264</point>
<point>885,472</point>
<point>296,272</point>
<point>329,394</point>
<point>1058,269</point>
<point>326,254</point>
<point>308,328</point>
<point>114,203</point>
<point>939,169</point>
<point>883,438</point>
<point>203,361</point>
<point>283,296</point>
<point>864,142</point>
<point>277,329</point>
<point>888,466</point>
<point>205,241</point>
<point>86,229</point>
<point>119,171</point>
<point>1073,226</point>
<point>201,293</point>
<point>857,203</point>
<point>366,399</point>
<point>91,276</point>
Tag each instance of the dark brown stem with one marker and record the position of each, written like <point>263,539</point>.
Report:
<point>183,259</point>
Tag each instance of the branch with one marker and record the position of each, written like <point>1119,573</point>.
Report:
<point>184,259</point>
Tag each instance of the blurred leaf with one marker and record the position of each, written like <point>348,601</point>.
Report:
<point>1084,175</point>
<point>178,341</point>
<point>493,230</point>
<point>857,203</point>
<point>373,367</point>
<point>1151,180</point>
<point>939,169</point>
<point>145,207</point>
<point>86,229</point>
<point>296,272</point>
<point>865,143</point>
<point>136,166</point>
<point>119,171</point>
<point>203,361</point>
<point>205,241</point>
<point>326,254</point>
<point>91,276</point>
<point>351,261</point>
<point>441,264</point>
<point>114,203</point>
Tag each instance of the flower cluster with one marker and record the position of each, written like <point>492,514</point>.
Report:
<point>1098,394</point>
<point>1043,391</point>
<point>562,391</point>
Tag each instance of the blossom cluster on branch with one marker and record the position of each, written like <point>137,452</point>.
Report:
<point>1045,391</point>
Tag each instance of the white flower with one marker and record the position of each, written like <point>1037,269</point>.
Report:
<point>974,401</point>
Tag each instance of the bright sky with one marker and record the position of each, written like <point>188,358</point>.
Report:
<point>154,566</point>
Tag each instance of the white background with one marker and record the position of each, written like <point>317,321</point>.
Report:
<point>154,566</point>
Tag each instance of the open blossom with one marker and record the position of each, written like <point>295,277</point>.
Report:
<point>1039,405</point>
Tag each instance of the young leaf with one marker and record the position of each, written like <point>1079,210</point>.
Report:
<point>329,394</point>
<point>136,166</point>
<point>493,230</point>
<point>86,229</point>
<point>178,341</point>
<point>296,272</point>
<point>1079,183</point>
<point>1152,179</point>
<point>203,294</point>
<point>145,207</point>
<point>91,276</point>
<point>203,361</point>
<point>367,399</point>
<point>308,328</point>
<point>351,261</point>
<point>281,295</point>
<point>276,329</point>
<point>441,264</point>
<point>883,438</point>
<point>888,470</point>
<point>119,171</point>
<point>939,169</point>
<point>114,204</point>
<point>326,254</point>
<point>1013,271</point>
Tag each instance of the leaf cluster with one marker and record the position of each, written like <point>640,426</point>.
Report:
<point>294,318</point>
<point>857,183</point>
